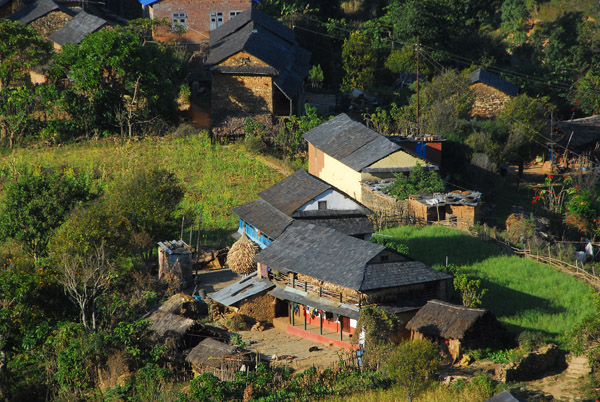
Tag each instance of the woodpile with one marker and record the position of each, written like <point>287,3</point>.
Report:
<point>241,254</point>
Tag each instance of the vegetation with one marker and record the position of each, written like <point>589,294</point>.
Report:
<point>418,181</point>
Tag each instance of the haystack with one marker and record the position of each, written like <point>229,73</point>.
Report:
<point>240,256</point>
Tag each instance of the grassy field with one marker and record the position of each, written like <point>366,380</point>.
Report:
<point>524,295</point>
<point>216,178</point>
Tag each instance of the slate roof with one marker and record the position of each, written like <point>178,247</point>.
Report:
<point>74,30</point>
<point>585,131</point>
<point>36,10</point>
<point>504,396</point>
<point>294,191</point>
<point>354,225</point>
<point>450,321</point>
<point>245,287</point>
<point>266,39</point>
<point>264,217</point>
<point>334,257</point>
<point>487,78</point>
<point>352,143</point>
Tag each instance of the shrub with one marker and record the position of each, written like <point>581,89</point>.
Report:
<point>418,181</point>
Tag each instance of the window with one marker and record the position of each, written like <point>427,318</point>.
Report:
<point>322,205</point>
<point>216,19</point>
<point>179,22</point>
<point>233,14</point>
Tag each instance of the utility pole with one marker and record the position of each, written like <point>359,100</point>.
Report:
<point>418,122</point>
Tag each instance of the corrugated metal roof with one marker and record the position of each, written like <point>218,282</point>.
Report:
<point>317,302</point>
<point>487,78</point>
<point>246,287</point>
<point>75,30</point>
<point>264,217</point>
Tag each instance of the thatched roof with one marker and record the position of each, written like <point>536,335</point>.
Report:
<point>209,352</point>
<point>450,321</point>
<point>241,254</point>
<point>173,305</point>
<point>167,323</point>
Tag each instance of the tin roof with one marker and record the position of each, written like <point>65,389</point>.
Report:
<point>245,287</point>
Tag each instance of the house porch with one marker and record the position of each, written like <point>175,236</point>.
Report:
<point>314,333</point>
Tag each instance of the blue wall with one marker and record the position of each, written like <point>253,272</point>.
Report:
<point>252,233</point>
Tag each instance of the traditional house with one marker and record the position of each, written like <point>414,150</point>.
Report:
<point>428,146</point>
<point>346,154</point>
<point>455,328</point>
<point>323,277</point>
<point>220,359</point>
<point>190,21</point>
<point>491,93</point>
<point>578,144</point>
<point>76,29</point>
<point>45,16</point>
<point>257,68</point>
<point>302,196</point>
<point>460,208</point>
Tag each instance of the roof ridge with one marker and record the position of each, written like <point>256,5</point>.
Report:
<point>456,306</point>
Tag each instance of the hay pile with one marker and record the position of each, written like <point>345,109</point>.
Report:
<point>240,256</point>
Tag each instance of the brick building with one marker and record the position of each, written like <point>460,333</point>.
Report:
<point>191,20</point>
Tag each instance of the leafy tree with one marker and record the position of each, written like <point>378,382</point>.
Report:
<point>315,76</point>
<point>20,49</point>
<point>525,119</point>
<point>587,93</point>
<point>412,365</point>
<point>359,62</point>
<point>514,15</point>
<point>418,181</point>
<point>289,139</point>
<point>379,327</point>
<point>109,88</point>
<point>470,289</point>
<point>17,105</point>
<point>584,211</point>
<point>37,202</point>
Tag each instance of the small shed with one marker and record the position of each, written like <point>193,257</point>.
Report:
<point>455,327</point>
<point>458,207</point>
<point>175,261</point>
<point>184,331</point>
<point>220,359</point>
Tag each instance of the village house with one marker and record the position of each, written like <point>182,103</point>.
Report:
<point>347,154</point>
<point>427,146</point>
<point>257,68</point>
<point>460,208</point>
<point>491,93</point>
<point>76,29</point>
<point>302,196</point>
<point>190,21</point>
<point>456,328</point>
<point>578,144</point>
<point>320,278</point>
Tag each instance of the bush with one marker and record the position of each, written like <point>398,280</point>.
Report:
<point>418,181</point>
<point>530,340</point>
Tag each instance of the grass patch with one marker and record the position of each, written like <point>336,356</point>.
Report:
<point>524,295</point>
<point>216,178</point>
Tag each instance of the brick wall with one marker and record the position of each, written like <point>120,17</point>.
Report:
<point>198,16</point>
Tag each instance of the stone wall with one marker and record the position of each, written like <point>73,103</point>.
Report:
<point>237,94</point>
<point>50,23</point>
<point>260,308</point>
<point>533,365</point>
<point>380,203</point>
<point>489,102</point>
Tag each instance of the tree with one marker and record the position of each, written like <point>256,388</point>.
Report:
<point>20,49</point>
<point>526,122</point>
<point>470,289</point>
<point>418,181</point>
<point>514,14</point>
<point>315,76</point>
<point>85,278</point>
<point>412,365</point>
<point>17,105</point>
<point>37,202</point>
<point>587,93</point>
<point>359,62</point>
<point>118,81</point>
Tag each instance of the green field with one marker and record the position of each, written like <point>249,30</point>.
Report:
<point>216,178</point>
<point>524,295</point>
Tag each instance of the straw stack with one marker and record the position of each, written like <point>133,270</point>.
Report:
<point>240,256</point>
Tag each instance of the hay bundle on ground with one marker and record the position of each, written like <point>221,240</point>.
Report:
<point>240,256</point>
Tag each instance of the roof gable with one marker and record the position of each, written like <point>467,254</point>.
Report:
<point>75,30</point>
<point>294,191</point>
<point>264,217</point>
<point>485,77</point>
<point>585,131</point>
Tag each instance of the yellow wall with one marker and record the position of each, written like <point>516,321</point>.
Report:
<point>341,176</point>
<point>398,159</point>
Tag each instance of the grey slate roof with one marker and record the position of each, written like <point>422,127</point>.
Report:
<point>355,225</point>
<point>485,77</point>
<point>334,257</point>
<point>352,143</point>
<point>585,131</point>
<point>245,287</point>
<point>36,10</point>
<point>264,217</point>
<point>266,39</point>
<point>74,30</point>
<point>504,396</point>
<point>315,301</point>
<point>294,191</point>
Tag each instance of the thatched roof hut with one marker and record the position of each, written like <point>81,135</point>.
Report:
<point>168,324</point>
<point>184,305</point>
<point>241,254</point>
<point>459,326</point>
<point>219,358</point>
